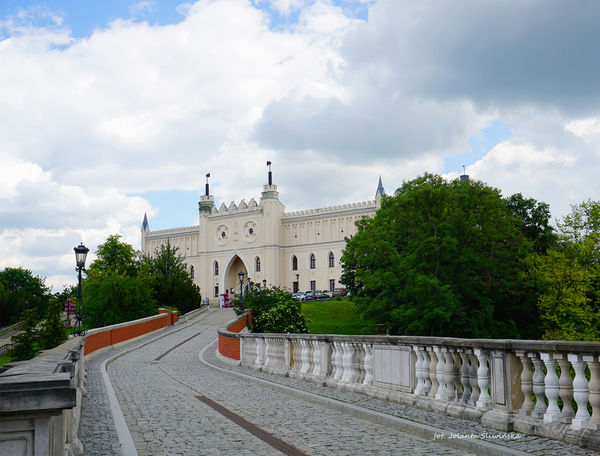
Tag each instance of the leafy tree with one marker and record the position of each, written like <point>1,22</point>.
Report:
<point>114,256</point>
<point>115,298</point>
<point>441,258</point>
<point>24,342</point>
<point>53,331</point>
<point>567,279</point>
<point>22,290</point>
<point>116,289</point>
<point>273,311</point>
<point>534,221</point>
<point>170,280</point>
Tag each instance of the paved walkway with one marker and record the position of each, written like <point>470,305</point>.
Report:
<point>169,399</point>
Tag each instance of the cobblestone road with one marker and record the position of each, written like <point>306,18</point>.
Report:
<point>159,401</point>
<point>165,417</point>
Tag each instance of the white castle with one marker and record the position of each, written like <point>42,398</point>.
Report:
<point>294,250</point>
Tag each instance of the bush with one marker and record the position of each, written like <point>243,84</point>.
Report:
<point>273,311</point>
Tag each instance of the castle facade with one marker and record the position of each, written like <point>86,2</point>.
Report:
<point>271,247</point>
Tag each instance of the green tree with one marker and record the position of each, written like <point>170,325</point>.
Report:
<point>114,256</point>
<point>116,288</point>
<point>115,298</point>
<point>53,331</point>
<point>534,221</point>
<point>273,311</point>
<point>24,341</point>
<point>22,290</point>
<point>567,279</point>
<point>170,280</point>
<point>441,258</point>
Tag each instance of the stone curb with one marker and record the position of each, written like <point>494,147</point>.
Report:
<point>422,430</point>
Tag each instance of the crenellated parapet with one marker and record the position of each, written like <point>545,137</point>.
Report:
<point>237,209</point>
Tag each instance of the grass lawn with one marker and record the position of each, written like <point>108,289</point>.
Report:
<point>335,317</point>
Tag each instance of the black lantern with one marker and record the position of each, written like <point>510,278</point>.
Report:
<point>264,283</point>
<point>81,252</point>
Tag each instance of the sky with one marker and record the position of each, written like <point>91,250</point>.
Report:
<point>113,109</point>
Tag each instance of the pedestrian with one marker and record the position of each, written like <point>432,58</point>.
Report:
<point>206,303</point>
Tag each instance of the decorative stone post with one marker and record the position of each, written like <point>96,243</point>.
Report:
<point>526,384</point>
<point>483,379</point>
<point>368,380</point>
<point>551,387</point>
<point>580,392</point>
<point>538,386</point>
<point>565,383</point>
<point>593,363</point>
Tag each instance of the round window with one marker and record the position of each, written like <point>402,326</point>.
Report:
<point>223,234</point>
<point>251,231</point>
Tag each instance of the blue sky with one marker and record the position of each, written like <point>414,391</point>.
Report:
<point>113,109</point>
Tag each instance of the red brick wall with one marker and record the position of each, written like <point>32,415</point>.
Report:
<point>230,346</point>
<point>113,336</point>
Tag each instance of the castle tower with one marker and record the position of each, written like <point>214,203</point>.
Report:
<point>273,212</point>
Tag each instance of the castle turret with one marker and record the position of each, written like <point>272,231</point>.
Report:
<point>380,191</point>
<point>273,212</point>
<point>145,230</point>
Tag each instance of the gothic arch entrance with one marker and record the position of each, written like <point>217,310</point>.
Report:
<point>230,276</point>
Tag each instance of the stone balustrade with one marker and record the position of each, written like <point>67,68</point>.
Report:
<point>536,387</point>
<point>40,404</point>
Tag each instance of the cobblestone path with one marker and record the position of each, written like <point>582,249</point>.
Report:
<point>159,401</point>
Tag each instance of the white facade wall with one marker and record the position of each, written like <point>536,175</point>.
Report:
<point>235,235</point>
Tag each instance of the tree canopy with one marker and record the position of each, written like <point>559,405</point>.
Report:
<point>443,258</point>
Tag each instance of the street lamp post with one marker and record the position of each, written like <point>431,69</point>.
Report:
<point>241,277</point>
<point>264,283</point>
<point>80,255</point>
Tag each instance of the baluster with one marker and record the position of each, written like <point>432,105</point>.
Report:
<point>316,359</point>
<point>359,354</point>
<point>484,401</point>
<point>473,379</point>
<point>337,361</point>
<point>418,372</point>
<point>439,372</point>
<point>426,379</point>
<point>368,380</point>
<point>261,352</point>
<point>347,362</point>
<point>465,380</point>
<point>433,372</point>
<point>565,382</point>
<point>593,363</point>
<point>551,386</point>
<point>303,355</point>
<point>456,373</point>
<point>295,355</point>
<point>580,392</point>
<point>526,384</point>
<point>449,375</point>
<point>538,386</point>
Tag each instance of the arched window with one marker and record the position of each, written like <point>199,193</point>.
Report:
<point>313,261</point>
<point>331,260</point>
<point>294,263</point>
<point>192,272</point>
<point>216,268</point>
<point>257,268</point>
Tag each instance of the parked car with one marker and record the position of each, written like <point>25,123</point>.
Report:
<point>321,295</point>
<point>326,294</point>
<point>338,292</point>
<point>308,295</point>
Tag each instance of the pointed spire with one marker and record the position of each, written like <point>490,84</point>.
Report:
<point>145,225</point>
<point>380,190</point>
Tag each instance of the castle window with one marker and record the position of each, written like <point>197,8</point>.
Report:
<point>257,264</point>
<point>294,263</point>
<point>331,260</point>
<point>313,261</point>
<point>192,272</point>
<point>216,268</point>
